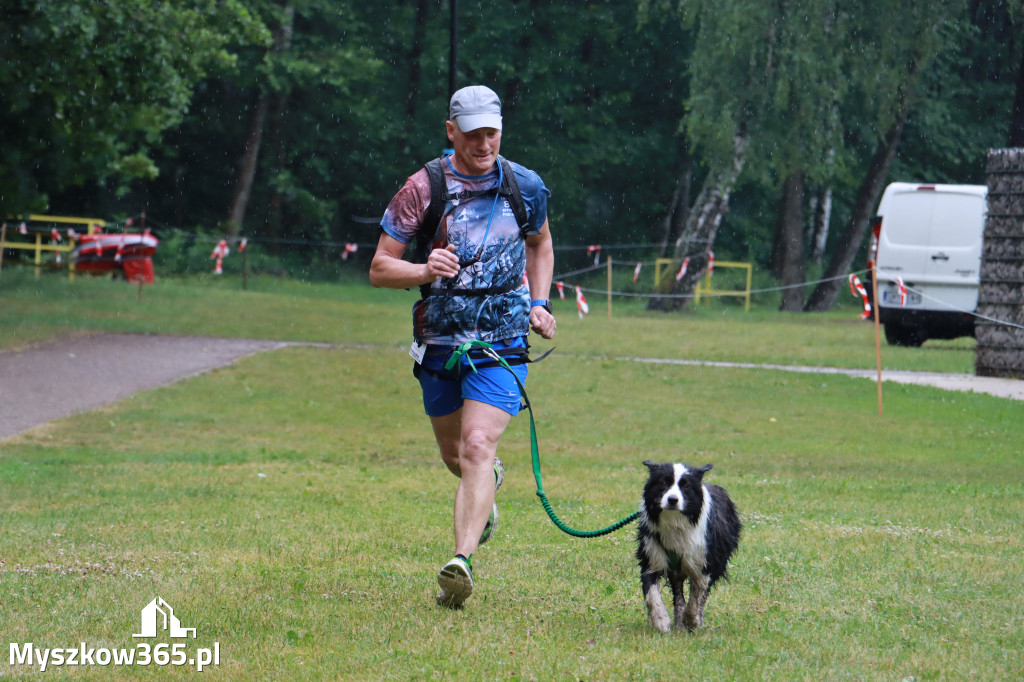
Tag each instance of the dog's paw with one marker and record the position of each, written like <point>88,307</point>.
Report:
<point>656,611</point>
<point>692,621</point>
<point>661,623</point>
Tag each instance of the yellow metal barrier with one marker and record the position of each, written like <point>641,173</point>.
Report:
<point>704,286</point>
<point>92,223</point>
<point>659,266</point>
<point>38,247</point>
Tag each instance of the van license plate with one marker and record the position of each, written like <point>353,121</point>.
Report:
<point>891,297</point>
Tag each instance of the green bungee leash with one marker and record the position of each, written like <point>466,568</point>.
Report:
<point>488,350</point>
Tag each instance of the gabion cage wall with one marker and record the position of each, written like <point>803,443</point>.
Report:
<point>1000,349</point>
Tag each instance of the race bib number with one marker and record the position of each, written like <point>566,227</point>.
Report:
<point>417,351</point>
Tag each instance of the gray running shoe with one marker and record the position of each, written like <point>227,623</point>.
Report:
<point>499,473</point>
<point>456,581</point>
<point>492,522</point>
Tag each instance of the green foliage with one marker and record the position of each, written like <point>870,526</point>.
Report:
<point>796,76</point>
<point>610,101</point>
<point>89,86</point>
<point>971,81</point>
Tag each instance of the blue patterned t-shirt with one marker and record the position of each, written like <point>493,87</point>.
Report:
<point>455,319</point>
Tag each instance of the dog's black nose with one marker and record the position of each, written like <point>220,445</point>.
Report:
<point>672,502</point>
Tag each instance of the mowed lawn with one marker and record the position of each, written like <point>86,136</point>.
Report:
<point>293,510</point>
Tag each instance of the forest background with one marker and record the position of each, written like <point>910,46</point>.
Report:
<point>764,131</point>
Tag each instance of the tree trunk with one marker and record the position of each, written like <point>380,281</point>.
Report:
<point>702,226</point>
<point>415,55</point>
<point>254,138</point>
<point>824,295</point>
<point>247,167</point>
<point>678,211</point>
<point>276,144</point>
<point>791,242</point>
<point>777,257</point>
<point>1016,136</point>
<point>822,216</point>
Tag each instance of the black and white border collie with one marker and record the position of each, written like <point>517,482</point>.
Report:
<point>687,531</point>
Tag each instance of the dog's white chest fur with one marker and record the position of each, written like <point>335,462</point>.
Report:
<point>675,534</point>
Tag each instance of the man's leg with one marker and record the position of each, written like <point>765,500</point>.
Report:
<point>448,434</point>
<point>482,426</point>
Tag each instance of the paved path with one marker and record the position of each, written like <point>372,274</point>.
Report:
<point>1001,388</point>
<point>58,379</point>
<point>71,375</point>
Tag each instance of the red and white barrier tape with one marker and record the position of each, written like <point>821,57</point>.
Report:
<point>857,289</point>
<point>581,303</point>
<point>683,268</point>
<point>219,252</point>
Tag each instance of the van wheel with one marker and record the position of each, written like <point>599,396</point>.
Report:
<point>898,335</point>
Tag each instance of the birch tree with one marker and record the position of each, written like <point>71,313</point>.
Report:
<point>743,67</point>
<point>887,74</point>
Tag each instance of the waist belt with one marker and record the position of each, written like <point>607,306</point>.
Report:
<point>479,359</point>
<point>427,290</point>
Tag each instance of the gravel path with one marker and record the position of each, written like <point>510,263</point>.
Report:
<point>71,375</point>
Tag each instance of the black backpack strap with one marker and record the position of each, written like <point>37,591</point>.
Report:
<point>510,189</point>
<point>432,217</point>
<point>435,209</point>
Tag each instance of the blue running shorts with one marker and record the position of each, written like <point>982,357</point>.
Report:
<point>444,390</point>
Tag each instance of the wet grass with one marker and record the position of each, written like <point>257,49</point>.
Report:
<point>33,310</point>
<point>292,509</point>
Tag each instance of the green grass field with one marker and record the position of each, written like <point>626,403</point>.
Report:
<point>293,509</point>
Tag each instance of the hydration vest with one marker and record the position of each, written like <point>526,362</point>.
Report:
<point>440,196</point>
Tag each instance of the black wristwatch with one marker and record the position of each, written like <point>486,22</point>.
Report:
<point>543,303</point>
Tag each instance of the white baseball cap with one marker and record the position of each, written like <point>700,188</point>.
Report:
<point>475,107</point>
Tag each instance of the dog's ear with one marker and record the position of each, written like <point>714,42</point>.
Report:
<point>703,470</point>
<point>649,464</point>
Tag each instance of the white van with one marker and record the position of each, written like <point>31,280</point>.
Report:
<point>930,236</point>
